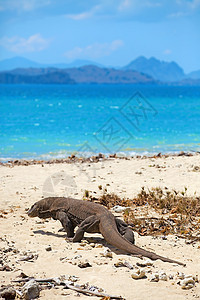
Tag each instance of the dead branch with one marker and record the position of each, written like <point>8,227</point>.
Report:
<point>71,287</point>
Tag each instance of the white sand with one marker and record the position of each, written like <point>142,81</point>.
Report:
<point>21,186</point>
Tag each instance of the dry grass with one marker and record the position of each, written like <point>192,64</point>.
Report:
<point>179,212</point>
<point>110,200</point>
<point>169,201</point>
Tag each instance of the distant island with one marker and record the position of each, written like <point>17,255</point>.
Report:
<point>139,71</point>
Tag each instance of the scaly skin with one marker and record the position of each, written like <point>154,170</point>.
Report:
<point>92,218</point>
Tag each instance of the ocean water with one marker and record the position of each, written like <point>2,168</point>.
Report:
<point>54,121</point>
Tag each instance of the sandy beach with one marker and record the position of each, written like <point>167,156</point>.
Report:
<point>53,256</point>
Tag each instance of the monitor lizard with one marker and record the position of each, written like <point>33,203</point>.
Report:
<point>92,218</point>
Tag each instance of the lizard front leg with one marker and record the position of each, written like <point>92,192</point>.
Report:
<point>66,223</point>
<point>90,224</point>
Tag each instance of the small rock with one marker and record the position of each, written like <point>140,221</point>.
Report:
<point>98,246</point>
<point>6,268</point>
<point>29,257</point>
<point>83,244</point>
<point>84,264</point>
<point>144,263</point>
<point>31,290</point>
<point>73,278</point>
<point>123,263</point>
<point>163,276</point>
<point>8,293</point>
<point>107,253</point>
<point>181,275</point>
<point>48,248</point>
<point>118,208</point>
<point>187,283</point>
<point>57,280</point>
<point>138,274</point>
<point>154,277</point>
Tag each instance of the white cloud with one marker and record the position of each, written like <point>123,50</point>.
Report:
<point>84,15</point>
<point>16,44</point>
<point>23,5</point>
<point>167,51</point>
<point>95,50</point>
<point>125,4</point>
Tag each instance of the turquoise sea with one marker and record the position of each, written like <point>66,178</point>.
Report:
<point>54,121</point>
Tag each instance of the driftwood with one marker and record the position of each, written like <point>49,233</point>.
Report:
<point>71,287</point>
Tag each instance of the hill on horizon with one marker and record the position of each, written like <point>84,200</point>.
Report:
<point>21,62</point>
<point>162,71</point>
<point>85,74</point>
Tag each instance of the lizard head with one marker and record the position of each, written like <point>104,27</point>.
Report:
<point>34,210</point>
<point>40,209</point>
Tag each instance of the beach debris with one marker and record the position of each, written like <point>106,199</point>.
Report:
<point>68,283</point>
<point>31,290</point>
<point>107,253</point>
<point>8,292</point>
<point>138,274</point>
<point>163,276</point>
<point>154,277</point>
<point>145,263</point>
<point>30,257</point>
<point>48,248</point>
<point>84,264</point>
<point>123,263</point>
<point>187,283</point>
<point>119,209</point>
<point>6,268</point>
<point>180,275</point>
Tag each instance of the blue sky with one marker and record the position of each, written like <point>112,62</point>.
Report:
<point>110,32</point>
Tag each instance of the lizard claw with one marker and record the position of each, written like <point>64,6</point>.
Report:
<point>68,239</point>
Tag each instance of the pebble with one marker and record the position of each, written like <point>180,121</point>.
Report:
<point>8,293</point>
<point>144,263</point>
<point>107,253</point>
<point>84,264</point>
<point>163,276</point>
<point>31,290</point>
<point>181,275</point>
<point>119,209</point>
<point>187,283</point>
<point>48,248</point>
<point>123,263</point>
<point>138,274</point>
<point>154,277</point>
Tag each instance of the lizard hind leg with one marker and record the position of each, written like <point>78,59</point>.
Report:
<point>90,224</point>
<point>125,231</point>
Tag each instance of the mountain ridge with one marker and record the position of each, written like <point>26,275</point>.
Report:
<point>140,70</point>
<point>159,70</point>
<point>85,74</point>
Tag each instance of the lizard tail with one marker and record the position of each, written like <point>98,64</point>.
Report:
<point>109,231</point>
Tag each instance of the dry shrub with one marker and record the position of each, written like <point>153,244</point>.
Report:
<point>171,201</point>
<point>182,211</point>
<point>110,200</point>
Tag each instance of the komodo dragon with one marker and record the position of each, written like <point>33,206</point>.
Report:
<point>92,218</point>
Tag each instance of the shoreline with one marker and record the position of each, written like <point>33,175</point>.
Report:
<point>92,159</point>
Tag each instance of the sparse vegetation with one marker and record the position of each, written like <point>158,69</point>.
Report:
<point>169,201</point>
<point>86,194</point>
<point>110,200</point>
<point>180,213</point>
